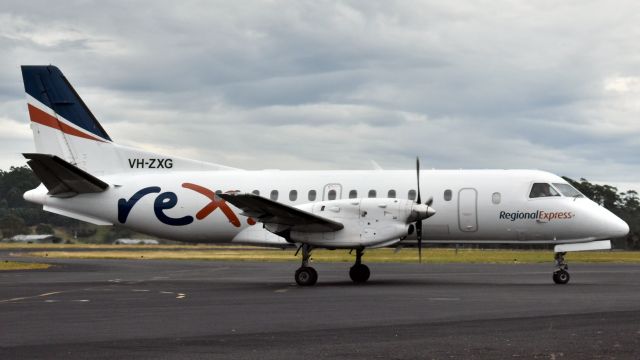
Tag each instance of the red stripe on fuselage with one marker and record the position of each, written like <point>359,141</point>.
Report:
<point>45,119</point>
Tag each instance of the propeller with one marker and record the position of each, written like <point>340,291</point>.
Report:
<point>422,211</point>
<point>419,222</point>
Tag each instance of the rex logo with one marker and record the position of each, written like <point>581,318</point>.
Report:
<point>168,200</point>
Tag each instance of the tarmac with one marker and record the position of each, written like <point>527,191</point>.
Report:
<point>251,310</point>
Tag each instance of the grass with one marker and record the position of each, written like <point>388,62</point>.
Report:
<point>433,256</point>
<point>15,265</point>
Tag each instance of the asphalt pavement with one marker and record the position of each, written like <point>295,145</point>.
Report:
<point>251,310</point>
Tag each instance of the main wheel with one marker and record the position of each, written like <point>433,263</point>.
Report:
<point>359,273</point>
<point>306,276</point>
<point>561,277</point>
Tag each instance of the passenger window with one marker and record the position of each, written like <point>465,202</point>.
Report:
<point>539,190</point>
<point>274,195</point>
<point>293,195</point>
<point>353,194</point>
<point>411,195</point>
<point>447,195</point>
<point>495,198</point>
<point>372,193</point>
<point>256,192</point>
<point>312,195</point>
<point>331,195</point>
<point>391,194</point>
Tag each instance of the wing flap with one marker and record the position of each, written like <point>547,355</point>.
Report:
<point>286,217</point>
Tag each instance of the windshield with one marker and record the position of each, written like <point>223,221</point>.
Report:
<point>539,190</point>
<point>568,190</point>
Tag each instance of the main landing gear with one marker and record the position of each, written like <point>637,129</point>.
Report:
<point>561,274</point>
<point>359,272</point>
<point>306,275</point>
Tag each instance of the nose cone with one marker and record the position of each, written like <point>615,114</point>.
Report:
<point>619,228</point>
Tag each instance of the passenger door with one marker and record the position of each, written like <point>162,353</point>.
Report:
<point>468,210</point>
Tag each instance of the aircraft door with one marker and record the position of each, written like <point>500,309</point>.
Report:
<point>332,192</point>
<point>468,210</point>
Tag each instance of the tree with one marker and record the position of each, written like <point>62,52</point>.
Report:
<point>11,225</point>
<point>44,229</point>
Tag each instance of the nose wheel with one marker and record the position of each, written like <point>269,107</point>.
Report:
<point>561,274</point>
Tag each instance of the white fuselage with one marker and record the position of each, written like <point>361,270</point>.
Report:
<point>471,205</point>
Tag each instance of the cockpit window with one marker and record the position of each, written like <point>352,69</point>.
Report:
<point>567,190</point>
<point>539,190</point>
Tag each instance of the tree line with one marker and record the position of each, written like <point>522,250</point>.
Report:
<point>18,216</point>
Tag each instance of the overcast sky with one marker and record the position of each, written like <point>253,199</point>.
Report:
<point>552,85</point>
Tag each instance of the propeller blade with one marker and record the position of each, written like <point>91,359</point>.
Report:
<point>418,177</point>
<point>429,201</point>
<point>419,235</point>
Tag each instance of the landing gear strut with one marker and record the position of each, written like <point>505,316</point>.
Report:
<point>359,272</point>
<point>306,275</point>
<point>561,274</point>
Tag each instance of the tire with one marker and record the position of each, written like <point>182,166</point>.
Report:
<point>359,273</point>
<point>306,276</point>
<point>561,277</point>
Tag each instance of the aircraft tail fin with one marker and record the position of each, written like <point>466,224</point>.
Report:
<point>64,126</point>
<point>61,178</point>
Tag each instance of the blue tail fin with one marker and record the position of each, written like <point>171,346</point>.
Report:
<point>47,85</point>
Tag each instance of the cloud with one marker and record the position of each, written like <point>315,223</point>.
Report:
<point>305,84</point>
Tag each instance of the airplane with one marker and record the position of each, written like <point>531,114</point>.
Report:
<point>87,176</point>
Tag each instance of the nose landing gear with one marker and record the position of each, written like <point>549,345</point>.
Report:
<point>561,274</point>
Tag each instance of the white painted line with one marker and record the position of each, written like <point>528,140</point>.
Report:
<point>30,297</point>
<point>166,292</point>
<point>281,290</point>
<point>15,299</point>
<point>82,300</point>
<point>443,299</point>
<point>181,296</point>
<point>51,301</point>
<point>139,290</point>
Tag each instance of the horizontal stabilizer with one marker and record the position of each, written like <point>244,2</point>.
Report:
<point>61,178</point>
<point>286,217</point>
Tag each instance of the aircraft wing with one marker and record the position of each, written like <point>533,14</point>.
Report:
<point>286,217</point>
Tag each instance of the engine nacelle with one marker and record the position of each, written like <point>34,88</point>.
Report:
<point>367,222</point>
